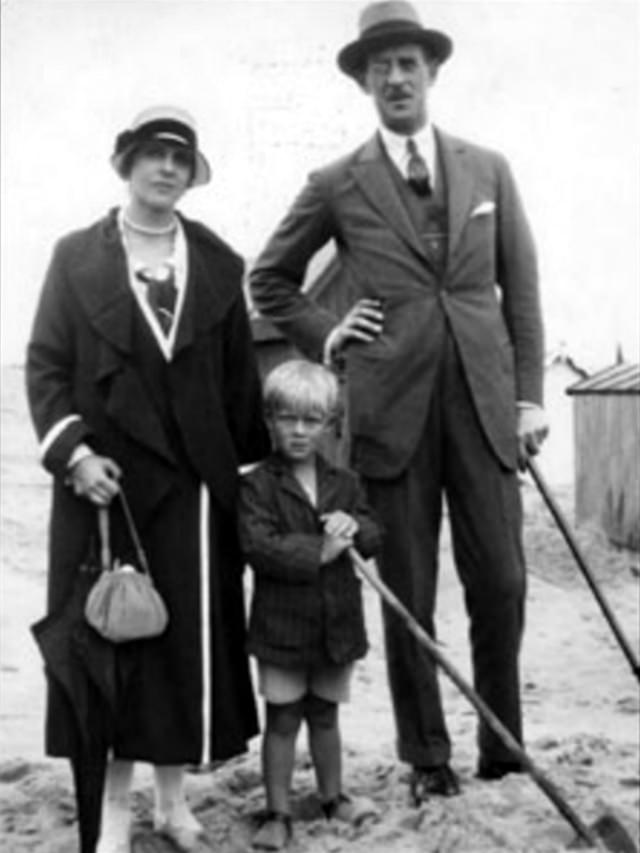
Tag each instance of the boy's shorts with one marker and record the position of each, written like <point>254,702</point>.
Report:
<point>280,686</point>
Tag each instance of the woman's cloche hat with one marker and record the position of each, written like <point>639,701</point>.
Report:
<point>166,123</point>
<point>389,23</point>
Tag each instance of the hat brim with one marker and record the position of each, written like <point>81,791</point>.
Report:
<point>352,58</point>
<point>201,172</point>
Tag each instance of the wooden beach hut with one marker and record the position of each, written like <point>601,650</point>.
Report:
<point>607,452</point>
<point>557,458</point>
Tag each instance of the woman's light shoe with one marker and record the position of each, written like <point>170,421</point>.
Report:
<point>116,835</point>
<point>186,832</point>
<point>108,845</point>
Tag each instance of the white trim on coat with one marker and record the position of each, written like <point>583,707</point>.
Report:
<point>55,432</point>
<point>179,262</point>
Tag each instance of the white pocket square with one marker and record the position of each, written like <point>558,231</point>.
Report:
<point>483,209</point>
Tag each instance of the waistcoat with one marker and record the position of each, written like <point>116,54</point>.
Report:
<point>428,213</point>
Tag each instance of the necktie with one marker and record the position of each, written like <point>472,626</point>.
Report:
<point>161,295</point>
<point>417,172</point>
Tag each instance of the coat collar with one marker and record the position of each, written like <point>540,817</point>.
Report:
<point>104,291</point>
<point>102,284</point>
<point>371,171</point>
<point>326,475</point>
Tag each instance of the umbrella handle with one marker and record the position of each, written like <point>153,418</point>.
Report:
<point>570,539</point>
<point>105,545</point>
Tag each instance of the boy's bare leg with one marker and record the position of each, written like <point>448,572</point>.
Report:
<point>278,752</point>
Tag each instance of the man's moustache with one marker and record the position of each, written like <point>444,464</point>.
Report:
<point>397,94</point>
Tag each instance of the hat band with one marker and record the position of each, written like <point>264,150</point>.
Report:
<point>391,28</point>
<point>161,128</point>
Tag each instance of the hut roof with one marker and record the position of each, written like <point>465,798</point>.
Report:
<point>559,356</point>
<point>617,379</point>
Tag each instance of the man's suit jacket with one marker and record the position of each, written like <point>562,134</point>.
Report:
<point>487,295</point>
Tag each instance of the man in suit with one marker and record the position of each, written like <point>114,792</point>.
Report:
<point>444,352</point>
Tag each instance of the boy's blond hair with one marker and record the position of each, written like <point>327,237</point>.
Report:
<point>302,387</point>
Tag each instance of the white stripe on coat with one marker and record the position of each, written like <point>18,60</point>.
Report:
<point>55,432</point>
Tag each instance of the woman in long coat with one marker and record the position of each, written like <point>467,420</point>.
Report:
<point>162,400</point>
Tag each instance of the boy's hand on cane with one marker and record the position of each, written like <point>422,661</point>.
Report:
<point>339,531</point>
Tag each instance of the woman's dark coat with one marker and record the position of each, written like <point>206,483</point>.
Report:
<point>170,426</point>
<point>303,613</point>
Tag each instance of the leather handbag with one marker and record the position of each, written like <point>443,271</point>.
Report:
<point>123,604</point>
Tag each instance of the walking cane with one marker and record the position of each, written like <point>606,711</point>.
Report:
<point>582,565</point>
<point>606,830</point>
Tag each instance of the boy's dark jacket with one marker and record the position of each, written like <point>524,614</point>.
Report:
<point>303,613</point>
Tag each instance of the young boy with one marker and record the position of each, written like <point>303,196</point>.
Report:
<point>298,516</point>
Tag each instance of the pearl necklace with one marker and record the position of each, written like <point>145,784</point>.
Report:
<point>145,229</point>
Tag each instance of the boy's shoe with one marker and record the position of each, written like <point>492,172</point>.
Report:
<point>274,831</point>
<point>353,810</point>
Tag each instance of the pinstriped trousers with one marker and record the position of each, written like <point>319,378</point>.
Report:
<point>454,459</point>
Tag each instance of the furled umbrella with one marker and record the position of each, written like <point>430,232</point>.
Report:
<point>83,665</point>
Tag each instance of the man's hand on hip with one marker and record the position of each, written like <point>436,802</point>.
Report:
<point>363,323</point>
<point>533,428</point>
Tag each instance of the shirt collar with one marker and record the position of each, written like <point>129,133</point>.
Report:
<point>396,147</point>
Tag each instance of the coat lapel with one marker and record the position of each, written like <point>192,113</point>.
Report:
<point>459,182</point>
<point>371,172</point>
<point>109,304</point>
<point>108,301</point>
<point>204,304</point>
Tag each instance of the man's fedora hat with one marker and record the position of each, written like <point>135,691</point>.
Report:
<point>389,23</point>
<point>170,124</point>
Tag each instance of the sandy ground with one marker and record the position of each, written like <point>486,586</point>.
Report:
<point>580,700</point>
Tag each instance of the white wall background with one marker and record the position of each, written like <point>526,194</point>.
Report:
<point>554,85</point>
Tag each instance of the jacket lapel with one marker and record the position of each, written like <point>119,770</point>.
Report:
<point>286,480</point>
<point>327,480</point>
<point>371,172</point>
<point>459,182</point>
<point>325,484</point>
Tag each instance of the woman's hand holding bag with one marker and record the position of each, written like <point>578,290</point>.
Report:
<point>123,604</point>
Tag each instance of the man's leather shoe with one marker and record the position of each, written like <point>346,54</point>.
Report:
<point>493,770</point>
<point>427,782</point>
